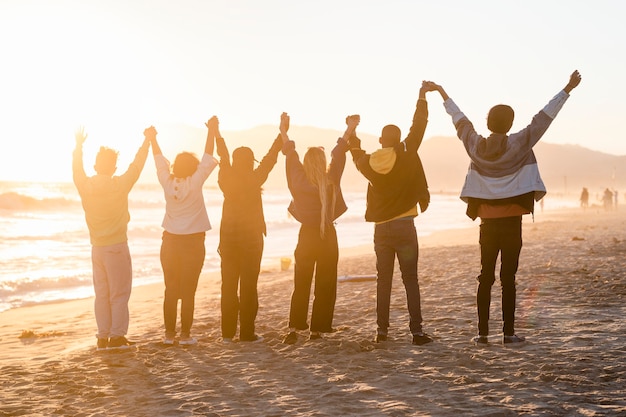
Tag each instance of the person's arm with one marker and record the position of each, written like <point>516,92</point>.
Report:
<point>338,154</point>
<point>213,126</point>
<point>420,118</point>
<point>150,134</point>
<point>269,160</point>
<point>78,170</point>
<point>213,132</point>
<point>557,102</point>
<point>134,170</point>
<point>284,127</point>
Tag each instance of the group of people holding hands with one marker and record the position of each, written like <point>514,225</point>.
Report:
<point>502,184</point>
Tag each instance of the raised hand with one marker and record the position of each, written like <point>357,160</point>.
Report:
<point>80,136</point>
<point>150,133</point>
<point>353,121</point>
<point>284,122</point>
<point>213,123</point>
<point>574,80</point>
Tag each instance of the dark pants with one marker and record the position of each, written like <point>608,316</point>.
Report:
<point>320,256</point>
<point>397,238</point>
<point>503,236</point>
<point>182,257</point>
<point>241,263</point>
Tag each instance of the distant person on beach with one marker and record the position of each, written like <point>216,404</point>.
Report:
<point>584,198</point>
<point>396,185</point>
<point>104,197</point>
<point>501,185</point>
<point>607,199</point>
<point>317,201</point>
<point>241,233</point>
<point>185,225</point>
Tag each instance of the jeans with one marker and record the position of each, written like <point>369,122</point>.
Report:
<point>503,236</point>
<point>240,265</point>
<point>397,238</point>
<point>112,283</point>
<point>320,256</point>
<point>182,257</point>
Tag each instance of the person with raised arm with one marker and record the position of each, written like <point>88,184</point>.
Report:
<point>501,185</point>
<point>185,224</point>
<point>396,185</point>
<point>104,197</point>
<point>317,201</point>
<point>241,234</point>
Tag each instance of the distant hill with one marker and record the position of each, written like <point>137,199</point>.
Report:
<point>565,169</point>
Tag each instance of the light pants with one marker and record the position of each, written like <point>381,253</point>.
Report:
<point>112,282</point>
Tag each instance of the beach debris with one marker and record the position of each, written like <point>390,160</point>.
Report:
<point>356,278</point>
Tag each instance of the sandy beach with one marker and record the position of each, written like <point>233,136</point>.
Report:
<point>571,308</point>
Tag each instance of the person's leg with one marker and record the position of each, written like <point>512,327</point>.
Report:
<point>120,272</point>
<point>325,283</point>
<point>102,308</point>
<point>489,249</point>
<point>249,306</point>
<point>192,259</point>
<point>407,250</point>
<point>305,256</point>
<point>170,263</point>
<point>511,237</point>
<point>230,268</point>
<point>385,258</point>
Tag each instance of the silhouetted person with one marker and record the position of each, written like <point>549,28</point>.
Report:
<point>501,185</point>
<point>185,225</point>
<point>607,199</point>
<point>396,184</point>
<point>241,234</point>
<point>584,198</point>
<point>317,201</point>
<point>104,197</point>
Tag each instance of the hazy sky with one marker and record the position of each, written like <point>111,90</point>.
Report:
<point>117,66</point>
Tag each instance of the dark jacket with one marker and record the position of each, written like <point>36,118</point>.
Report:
<point>305,205</point>
<point>404,186</point>
<point>242,210</point>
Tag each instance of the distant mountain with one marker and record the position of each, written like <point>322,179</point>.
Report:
<point>565,169</point>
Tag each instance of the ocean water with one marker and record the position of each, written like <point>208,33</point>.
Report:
<point>45,255</point>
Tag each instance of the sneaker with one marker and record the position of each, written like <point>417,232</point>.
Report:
<point>119,342</point>
<point>186,341</point>
<point>291,338</point>
<point>315,336</point>
<point>227,340</point>
<point>421,339</point>
<point>380,338</point>
<point>253,339</point>
<point>102,344</point>
<point>480,339</point>
<point>168,341</point>
<point>513,339</point>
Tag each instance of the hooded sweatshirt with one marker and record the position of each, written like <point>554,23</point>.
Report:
<point>503,168</point>
<point>397,182</point>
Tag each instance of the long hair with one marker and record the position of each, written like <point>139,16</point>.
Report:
<point>315,169</point>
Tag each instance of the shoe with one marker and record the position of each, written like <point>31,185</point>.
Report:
<point>186,341</point>
<point>119,342</point>
<point>168,341</point>
<point>102,344</point>
<point>421,339</point>
<point>227,340</point>
<point>380,338</point>
<point>291,338</point>
<point>253,339</point>
<point>480,339</point>
<point>513,339</point>
<point>315,336</point>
